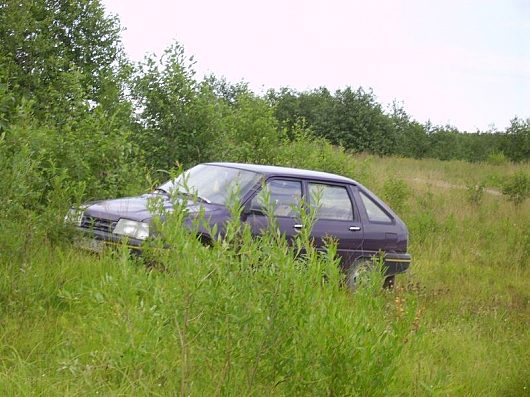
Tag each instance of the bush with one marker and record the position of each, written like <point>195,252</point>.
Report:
<point>177,119</point>
<point>248,131</point>
<point>45,168</point>
<point>475,193</point>
<point>305,150</point>
<point>517,188</point>
<point>496,158</point>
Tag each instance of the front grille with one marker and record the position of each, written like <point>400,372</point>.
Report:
<point>99,224</point>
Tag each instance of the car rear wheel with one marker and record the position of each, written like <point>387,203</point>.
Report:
<point>355,272</point>
<point>389,282</point>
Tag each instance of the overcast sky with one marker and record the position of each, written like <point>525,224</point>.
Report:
<point>462,62</point>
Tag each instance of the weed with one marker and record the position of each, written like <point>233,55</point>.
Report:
<point>475,193</point>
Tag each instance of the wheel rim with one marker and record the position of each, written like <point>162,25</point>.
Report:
<point>355,272</point>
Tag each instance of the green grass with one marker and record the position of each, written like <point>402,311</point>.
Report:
<point>470,277</point>
<point>247,318</point>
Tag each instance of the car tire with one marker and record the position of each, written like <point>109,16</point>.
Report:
<point>205,240</point>
<point>354,272</point>
<point>389,282</point>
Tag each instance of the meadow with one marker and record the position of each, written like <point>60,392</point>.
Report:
<point>246,317</point>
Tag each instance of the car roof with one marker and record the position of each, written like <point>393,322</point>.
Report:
<point>272,170</point>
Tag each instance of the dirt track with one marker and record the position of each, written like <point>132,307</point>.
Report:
<point>448,185</point>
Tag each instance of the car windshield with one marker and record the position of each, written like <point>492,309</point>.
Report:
<point>212,183</point>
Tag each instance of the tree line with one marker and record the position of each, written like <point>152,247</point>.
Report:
<point>355,120</point>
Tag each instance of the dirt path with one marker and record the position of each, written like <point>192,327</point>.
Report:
<point>447,185</point>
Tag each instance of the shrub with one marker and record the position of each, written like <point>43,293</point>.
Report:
<point>517,188</point>
<point>274,317</point>
<point>475,193</point>
<point>248,131</point>
<point>305,150</point>
<point>496,158</point>
<point>46,168</point>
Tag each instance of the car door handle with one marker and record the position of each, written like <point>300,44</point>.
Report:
<point>354,228</point>
<point>298,226</point>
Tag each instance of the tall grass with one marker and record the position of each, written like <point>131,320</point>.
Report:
<point>244,316</point>
<point>249,317</point>
<point>470,277</point>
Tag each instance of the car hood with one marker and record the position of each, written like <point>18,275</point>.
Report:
<point>136,208</point>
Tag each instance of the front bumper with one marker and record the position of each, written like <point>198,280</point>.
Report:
<point>96,240</point>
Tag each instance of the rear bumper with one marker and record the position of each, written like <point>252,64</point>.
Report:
<point>396,263</point>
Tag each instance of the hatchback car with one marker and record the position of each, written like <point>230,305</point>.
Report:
<point>362,225</point>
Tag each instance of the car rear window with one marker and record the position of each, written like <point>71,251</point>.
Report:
<point>374,212</point>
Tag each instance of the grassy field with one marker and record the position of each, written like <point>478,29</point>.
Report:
<point>247,318</point>
<point>470,277</point>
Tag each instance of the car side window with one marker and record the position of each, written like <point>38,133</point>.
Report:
<point>374,212</point>
<point>284,196</point>
<point>331,202</point>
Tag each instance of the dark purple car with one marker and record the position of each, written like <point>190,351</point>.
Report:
<point>362,224</point>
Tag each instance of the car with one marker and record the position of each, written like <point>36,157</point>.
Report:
<point>362,225</point>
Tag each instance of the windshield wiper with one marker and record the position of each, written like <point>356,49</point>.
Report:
<point>193,196</point>
<point>161,191</point>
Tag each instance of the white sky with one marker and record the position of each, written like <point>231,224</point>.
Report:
<point>463,62</point>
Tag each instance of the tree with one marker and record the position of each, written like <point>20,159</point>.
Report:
<point>177,118</point>
<point>360,124</point>
<point>517,143</point>
<point>411,137</point>
<point>63,115</point>
<point>249,131</point>
<point>61,54</point>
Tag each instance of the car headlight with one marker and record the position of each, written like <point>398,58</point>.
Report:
<point>74,216</point>
<point>127,227</point>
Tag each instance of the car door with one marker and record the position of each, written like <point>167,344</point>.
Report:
<point>337,217</point>
<point>283,197</point>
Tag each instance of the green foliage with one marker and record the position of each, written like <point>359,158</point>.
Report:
<point>395,193</point>
<point>517,187</point>
<point>65,124</point>
<point>7,99</point>
<point>411,137</point>
<point>58,54</point>
<point>249,131</point>
<point>351,119</point>
<point>244,315</point>
<point>360,123</point>
<point>45,169</point>
<point>445,143</point>
<point>356,121</point>
<point>305,150</point>
<point>226,91</point>
<point>517,142</point>
<point>105,165</point>
<point>177,122</point>
<point>496,158</point>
